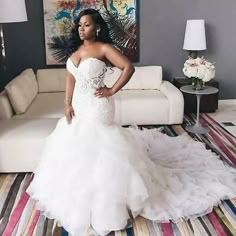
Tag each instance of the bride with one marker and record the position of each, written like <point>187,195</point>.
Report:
<point>96,174</point>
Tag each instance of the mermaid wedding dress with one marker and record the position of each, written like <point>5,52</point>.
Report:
<point>96,173</point>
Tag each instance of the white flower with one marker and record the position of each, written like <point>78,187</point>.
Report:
<point>201,71</point>
<point>199,68</point>
<point>210,74</point>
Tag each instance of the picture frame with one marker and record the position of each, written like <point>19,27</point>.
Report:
<point>121,17</point>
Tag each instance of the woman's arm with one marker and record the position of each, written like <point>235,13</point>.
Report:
<point>122,62</point>
<point>70,84</point>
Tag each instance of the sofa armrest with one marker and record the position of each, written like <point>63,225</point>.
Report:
<point>176,102</point>
<point>6,111</point>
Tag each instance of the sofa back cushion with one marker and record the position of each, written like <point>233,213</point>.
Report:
<point>144,77</point>
<point>6,111</point>
<point>51,80</point>
<point>22,90</point>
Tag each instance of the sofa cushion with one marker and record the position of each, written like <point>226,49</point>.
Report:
<point>132,107</point>
<point>51,80</point>
<point>22,142</point>
<point>22,90</point>
<point>143,107</point>
<point>6,111</point>
<point>144,77</point>
<point>45,105</point>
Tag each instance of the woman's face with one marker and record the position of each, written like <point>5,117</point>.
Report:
<point>87,28</point>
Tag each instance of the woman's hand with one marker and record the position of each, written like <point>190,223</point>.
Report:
<point>103,92</point>
<point>69,112</point>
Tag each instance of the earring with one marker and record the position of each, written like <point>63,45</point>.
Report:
<point>97,32</point>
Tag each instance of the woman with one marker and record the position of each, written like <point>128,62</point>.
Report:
<point>95,173</point>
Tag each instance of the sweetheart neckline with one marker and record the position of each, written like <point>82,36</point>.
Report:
<point>85,59</point>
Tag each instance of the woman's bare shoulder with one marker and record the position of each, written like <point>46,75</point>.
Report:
<point>107,46</point>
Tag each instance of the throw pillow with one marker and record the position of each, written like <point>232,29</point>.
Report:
<point>22,90</point>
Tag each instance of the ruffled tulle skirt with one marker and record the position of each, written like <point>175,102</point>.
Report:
<point>101,175</point>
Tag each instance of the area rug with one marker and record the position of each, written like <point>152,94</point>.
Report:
<point>19,217</point>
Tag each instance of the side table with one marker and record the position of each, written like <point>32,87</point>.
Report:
<point>209,103</point>
<point>197,128</point>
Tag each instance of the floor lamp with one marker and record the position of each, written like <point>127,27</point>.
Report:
<point>10,12</point>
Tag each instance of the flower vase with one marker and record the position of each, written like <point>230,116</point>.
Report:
<point>197,84</point>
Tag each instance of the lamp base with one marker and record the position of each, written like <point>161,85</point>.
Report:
<point>2,60</point>
<point>193,54</point>
<point>2,45</point>
<point>197,129</point>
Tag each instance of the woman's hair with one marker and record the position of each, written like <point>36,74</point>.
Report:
<point>103,35</point>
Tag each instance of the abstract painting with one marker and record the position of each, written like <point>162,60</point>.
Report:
<point>120,15</point>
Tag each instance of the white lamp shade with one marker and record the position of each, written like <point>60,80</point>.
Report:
<point>12,11</point>
<point>195,37</point>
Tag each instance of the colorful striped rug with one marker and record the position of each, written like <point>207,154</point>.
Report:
<point>18,215</point>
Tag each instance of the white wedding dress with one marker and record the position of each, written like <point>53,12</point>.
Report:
<point>96,173</point>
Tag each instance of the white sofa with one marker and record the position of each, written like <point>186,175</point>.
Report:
<point>31,105</point>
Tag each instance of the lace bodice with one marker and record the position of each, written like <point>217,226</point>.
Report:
<point>89,74</point>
